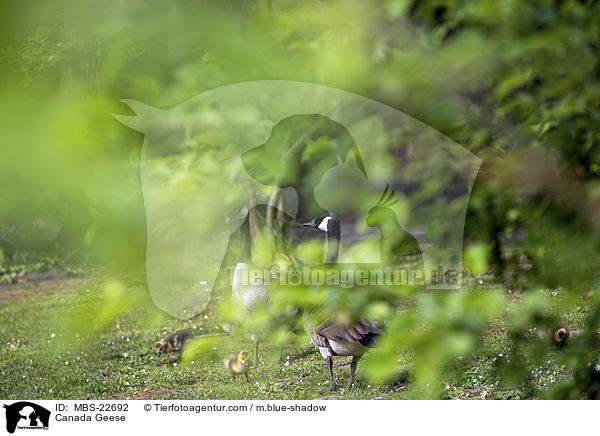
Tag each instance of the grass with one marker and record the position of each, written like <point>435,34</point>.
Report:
<point>79,338</point>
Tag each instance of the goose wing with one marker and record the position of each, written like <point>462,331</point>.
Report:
<point>362,332</point>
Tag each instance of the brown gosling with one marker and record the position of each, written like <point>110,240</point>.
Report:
<point>173,343</point>
<point>557,334</point>
<point>237,364</point>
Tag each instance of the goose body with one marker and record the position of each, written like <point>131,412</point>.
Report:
<point>335,339</point>
<point>244,294</point>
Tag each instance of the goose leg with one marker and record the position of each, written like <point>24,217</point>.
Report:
<point>353,366</point>
<point>333,386</point>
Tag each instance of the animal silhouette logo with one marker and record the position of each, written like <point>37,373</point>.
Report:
<point>205,158</point>
<point>397,246</point>
<point>26,415</point>
<point>288,139</point>
<point>347,174</point>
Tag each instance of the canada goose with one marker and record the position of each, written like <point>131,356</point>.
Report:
<point>173,343</point>
<point>237,364</point>
<point>331,338</point>
<point>397,246</point>
<point>243,293</point>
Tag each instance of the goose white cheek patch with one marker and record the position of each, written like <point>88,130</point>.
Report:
<point>323,225</point>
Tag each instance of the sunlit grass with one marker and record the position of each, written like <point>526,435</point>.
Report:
<point>63,338</point>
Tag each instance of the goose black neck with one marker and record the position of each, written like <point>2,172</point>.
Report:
<point>332,241</point>
<point>245,249</point>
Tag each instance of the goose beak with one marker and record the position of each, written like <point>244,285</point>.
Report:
<point>310,224</point>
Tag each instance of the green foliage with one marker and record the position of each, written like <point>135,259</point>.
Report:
<point>516,82</point>
<point>27,263</point>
